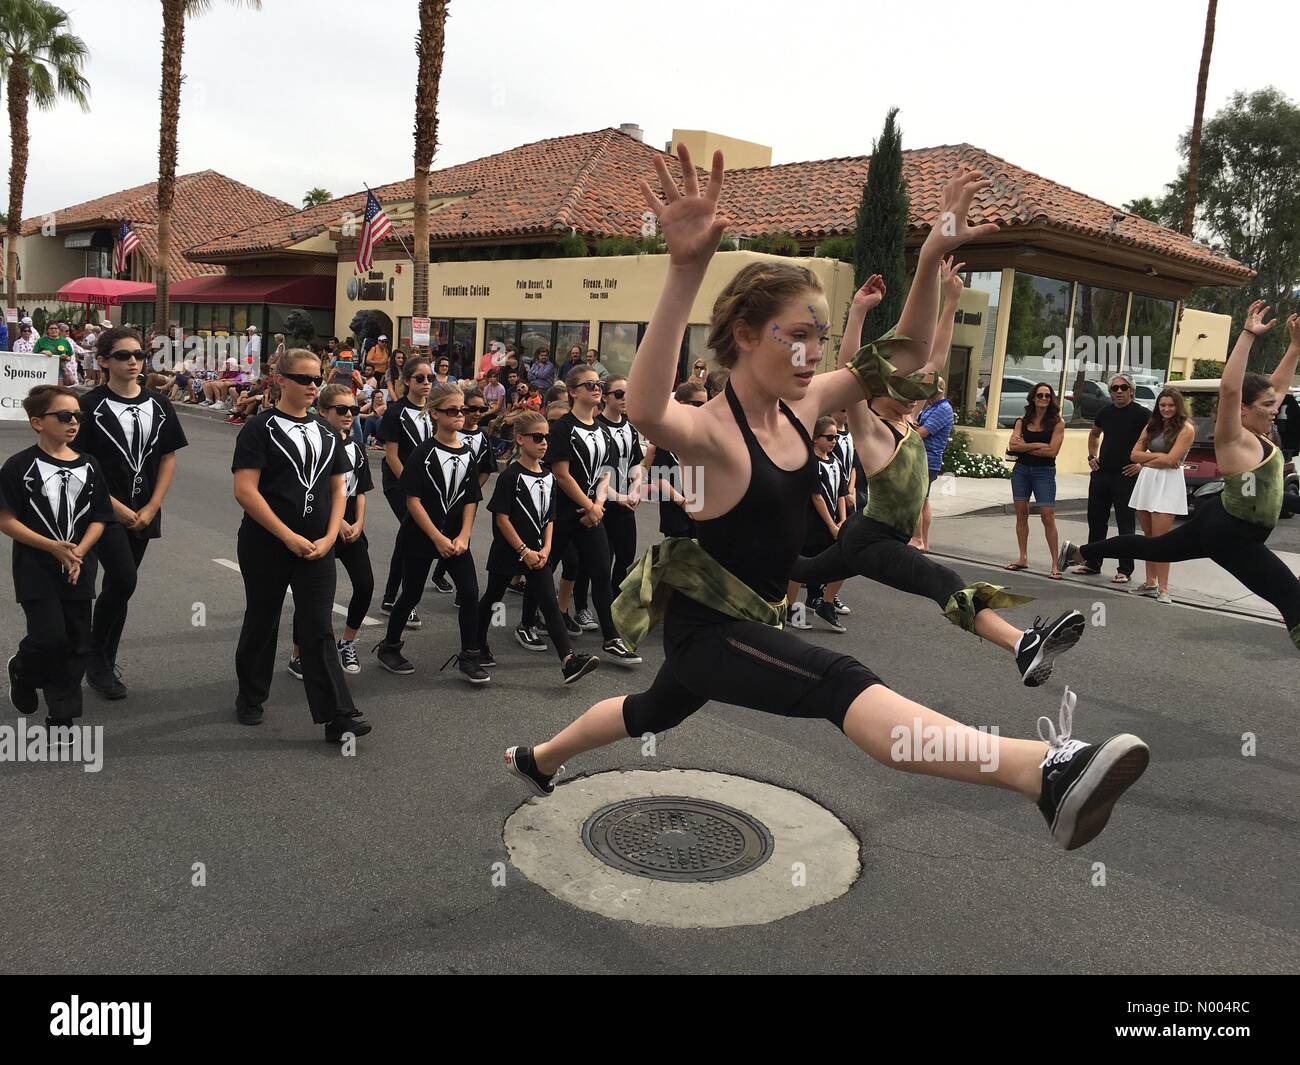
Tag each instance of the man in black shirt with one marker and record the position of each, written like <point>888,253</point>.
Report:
<point>1114,473</point>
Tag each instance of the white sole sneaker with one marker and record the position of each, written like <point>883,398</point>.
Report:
<point>1086,806</point>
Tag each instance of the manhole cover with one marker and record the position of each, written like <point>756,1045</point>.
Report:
<point>677,838</point>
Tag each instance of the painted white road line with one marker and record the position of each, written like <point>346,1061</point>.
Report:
<point>367,620</point>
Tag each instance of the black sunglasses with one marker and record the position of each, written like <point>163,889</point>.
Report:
<point>451,412</point>
<point>420,378</point>
<point>536,438</point>
<point>590,386</point>
<point>829,436</point>
<point>1119,388</point>
<point>342,409</point>
<point>619,393</point>
<point>304,379</point>
<point>475,410</point>
<point>1042,395</point>
<point>125,354</point>
<point>65,416</point>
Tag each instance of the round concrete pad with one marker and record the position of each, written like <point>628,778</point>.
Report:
<point>815,858</point>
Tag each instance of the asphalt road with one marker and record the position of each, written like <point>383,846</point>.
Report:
<point>383,862</point>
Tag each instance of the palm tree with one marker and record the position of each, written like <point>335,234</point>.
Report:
<point>175,12</point>
<point>41,61</point>
<point>315,197</point>
<point>1194,145</point>
<point>428,51</point>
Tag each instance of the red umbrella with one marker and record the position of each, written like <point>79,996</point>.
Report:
<point>103,291</point>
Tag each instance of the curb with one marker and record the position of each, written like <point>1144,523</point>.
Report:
<point>1063,506</point>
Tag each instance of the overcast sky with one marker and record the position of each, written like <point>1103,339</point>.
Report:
<point>1090,93</point>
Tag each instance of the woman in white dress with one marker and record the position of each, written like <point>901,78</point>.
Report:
<point>1160,492</point>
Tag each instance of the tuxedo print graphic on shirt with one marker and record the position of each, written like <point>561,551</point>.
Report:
<point>407,426</point>
<point>129,437</point>
<point>527,499</point>
<point>626,453</point>
<point>444,480</point>
<point>589,451</point>
<point>59,499</point>
<point>296,457</point>
<point>831,483</point>
<point>357,480</point>
<point>844,452</point>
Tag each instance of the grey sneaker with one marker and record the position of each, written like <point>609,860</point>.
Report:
<point>585,621</point>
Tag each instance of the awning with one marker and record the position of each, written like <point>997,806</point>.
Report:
<point>105,291</point>
<point>291,290</point>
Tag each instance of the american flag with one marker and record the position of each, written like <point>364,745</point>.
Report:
<point>375,228</point>
<point>127,242</point>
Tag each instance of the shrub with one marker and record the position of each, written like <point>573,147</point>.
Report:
<point>573,245</point>
<point>774,244</point>
<point>1202,368</point>
<point>961,461</point>
<point>841,248</point>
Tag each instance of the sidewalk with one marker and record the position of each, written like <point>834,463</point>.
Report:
<point>973,522</point>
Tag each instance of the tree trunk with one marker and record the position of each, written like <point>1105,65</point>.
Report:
<point>17,89</point>
<point>1194,147</point>
<point>428,50</point>
<point>173,49</point>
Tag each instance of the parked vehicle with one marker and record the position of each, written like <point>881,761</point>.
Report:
<point>1096,394</point>
<point>1015,395</point>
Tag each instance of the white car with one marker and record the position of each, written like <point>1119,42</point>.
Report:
<point>1015,394</point>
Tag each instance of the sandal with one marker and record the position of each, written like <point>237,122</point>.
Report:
<point>1016,565</point>
<point>1119,578</point>
<point>1146,589</point>
<point>1055,575</point>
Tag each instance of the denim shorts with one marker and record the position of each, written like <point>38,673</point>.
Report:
<point>1038,481</point>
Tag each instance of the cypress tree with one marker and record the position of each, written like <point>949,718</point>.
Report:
<point>882,228</point>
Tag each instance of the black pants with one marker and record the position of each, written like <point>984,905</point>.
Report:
<point>708,655</point>
<point>593,557</point>
<point>540,592</point>
<point>870,549</point>
<point>120,554</point>
<point>570,570</point>
<point>1106,490</point>
<point>52,656</point>
<point>620,530</point>
<point>397,503</point>
<point>460,568</point>
<point>269,569</point>
<point>355,559</point>
<point>1213,533</point>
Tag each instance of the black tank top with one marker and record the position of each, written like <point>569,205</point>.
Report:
<point>759,538</point>
<point>1035,436</point>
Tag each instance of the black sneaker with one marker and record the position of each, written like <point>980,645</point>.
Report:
<point>578,666</point>
<point>247,715</point>
<point>295,667</point>
<point>1070,556</point>
<point>348,657</point>
<point>840,608</point>
<point>442,585</point>
<point>486,658</point>
<point>573,628</point>
<point>352,722</point>
<point>1042,643</point>
<point>414,622</point>
<point>518,589</point>
<point>826,612</point>
<point>54,738</point>
<point>102,679</point>
<point>390,658</point>
<point>585,621</point>
<point>22,696</point>
<point>386,607</point>
<point>468,663</point>
<point>618,651</point>
<point>1083,781</point>
<point>529,640</point>
<point>519,760</point>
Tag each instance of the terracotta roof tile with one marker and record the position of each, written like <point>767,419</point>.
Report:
<point>587,182</point>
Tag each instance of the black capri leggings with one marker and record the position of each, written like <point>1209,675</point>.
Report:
<point>593,555</point>
<point>415,571</point>
<point>120,555</point>
<point>355,559</point>
<point>539,592</point>
<point>709,655</point>
<point>873,550</point>
<point>1236,545</point>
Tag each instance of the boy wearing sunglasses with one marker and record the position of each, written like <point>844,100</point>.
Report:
<point>54,506</point>
<point>134,433</point>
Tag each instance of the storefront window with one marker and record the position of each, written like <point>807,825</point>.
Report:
<point>463,348</point>
<point>977,364</point>
<point>501,329</point>
<point>241,317</point>
<point>1036,338</point>
<point>1150,338</point>
<point>567,334</point>
<point>618,344</point>
<point>534,335</point>
<point>1095,351</point>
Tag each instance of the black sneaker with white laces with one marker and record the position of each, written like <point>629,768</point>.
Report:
<point>571,626</point>
<point>1083,781</point>
<point>519,760</point>
<point>414,622</point>
<point>486,658</point>
<point>585,621</point>
<point>22,696</point>
<point>468,663</point>
<point>1040,644</point>
<point>529,640</point>
<point>619,652</point>
<point>442,585</point>
<point>386,607</point>
<point>348,657</point>
<point>295,667</point>
<point>391,658</point>
<point>827,614</point>
<point>350,723</point>
<point>840,608</point>
<point>577,666</point>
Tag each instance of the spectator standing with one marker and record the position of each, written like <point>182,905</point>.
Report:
<point>541,374</point>
<point>24,345</point>
<point>574,360</point>
<point>934,424</point>
<point>252,348</point>
<point>1035,441</point>
<point>1117,427</point>
<point>593,363</point>
<point>377,356</point>
<point>1160,490</point>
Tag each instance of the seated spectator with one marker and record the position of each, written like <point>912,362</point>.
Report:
<point>217,391</point>
<point>372,414</point>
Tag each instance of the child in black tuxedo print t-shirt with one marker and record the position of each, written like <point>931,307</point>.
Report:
<point>54,505</point>
<point>289,469</point>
